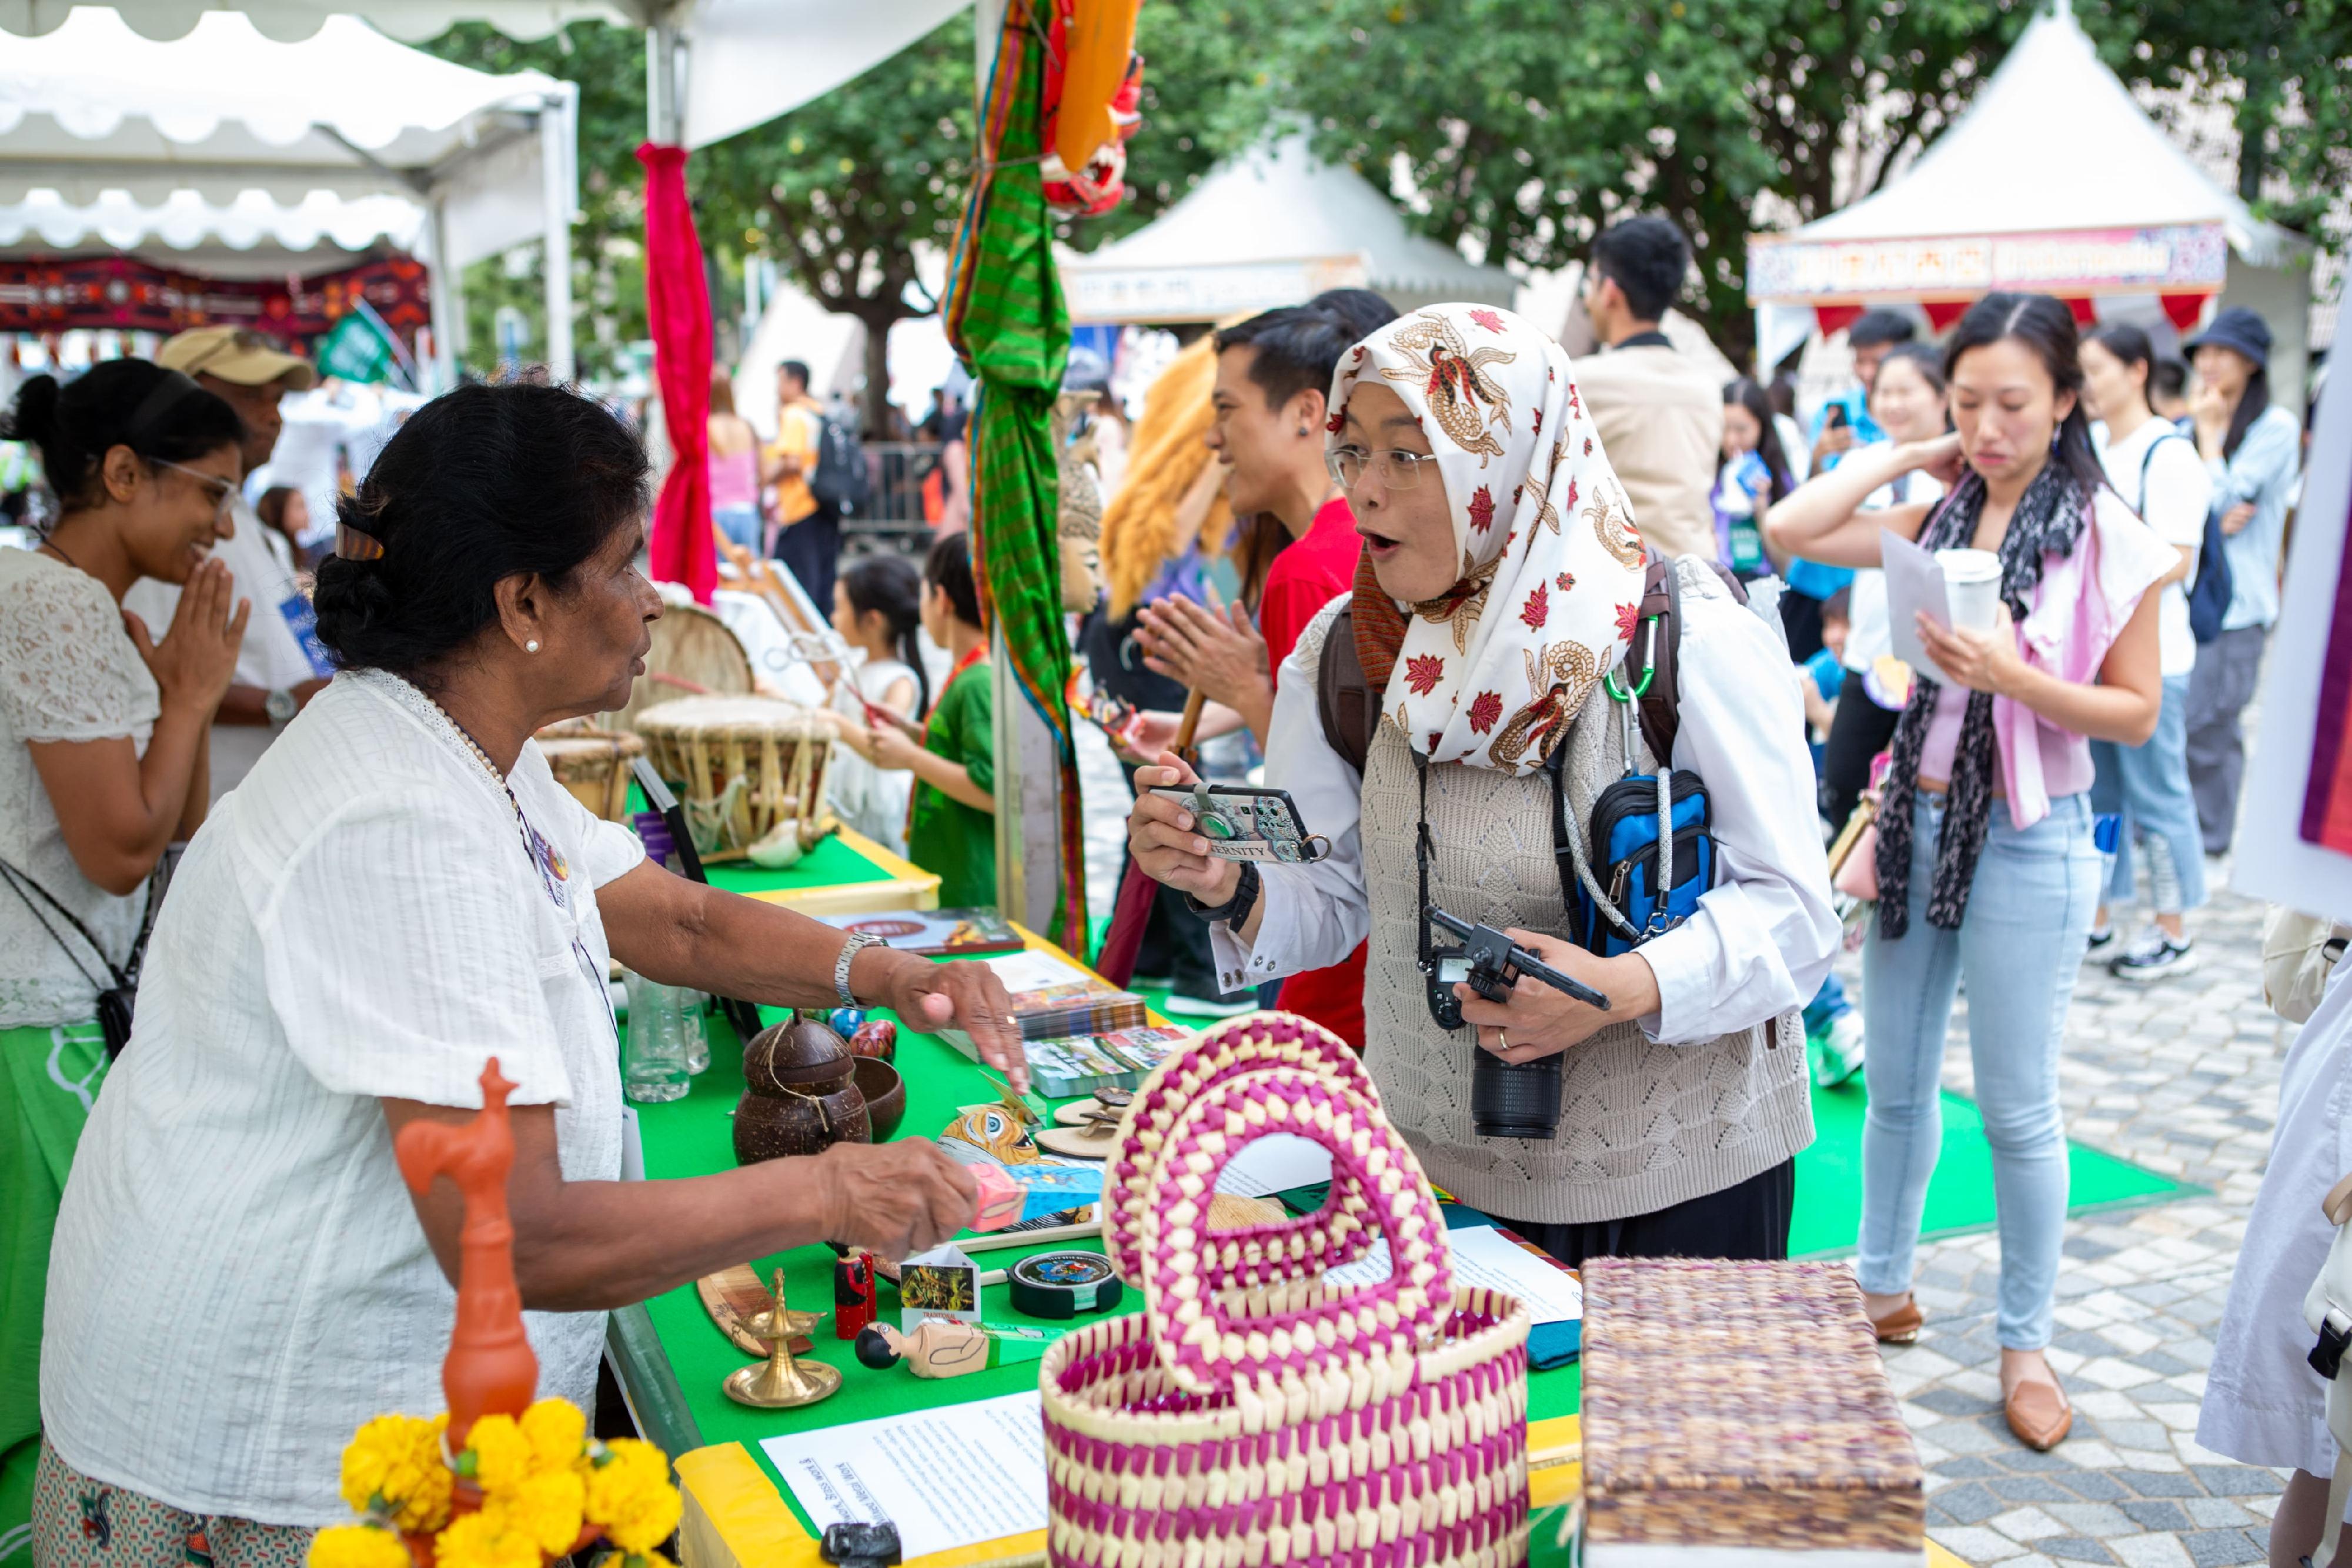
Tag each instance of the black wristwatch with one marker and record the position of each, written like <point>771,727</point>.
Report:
<point>1234,910</point>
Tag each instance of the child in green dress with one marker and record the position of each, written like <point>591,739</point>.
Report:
<point>953,816</point>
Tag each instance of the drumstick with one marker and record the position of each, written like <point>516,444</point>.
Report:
<point>1193,701</point>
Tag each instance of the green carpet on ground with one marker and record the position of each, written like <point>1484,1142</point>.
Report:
<point>1959,1196</point>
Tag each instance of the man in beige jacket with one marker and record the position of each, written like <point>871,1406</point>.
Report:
<point>1660,416</point>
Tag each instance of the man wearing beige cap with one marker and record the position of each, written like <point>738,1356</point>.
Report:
<point>281,664</point>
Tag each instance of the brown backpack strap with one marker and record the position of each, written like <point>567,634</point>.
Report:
<point>1662,597</point>
<point>1343,699</point>
<point>1655,637</point>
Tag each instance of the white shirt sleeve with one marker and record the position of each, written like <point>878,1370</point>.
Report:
<point>1314,915</point>
<point>1764,935</point>
<point>396,961</point>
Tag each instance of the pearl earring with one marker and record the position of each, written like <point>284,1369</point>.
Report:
<point>531,646</point>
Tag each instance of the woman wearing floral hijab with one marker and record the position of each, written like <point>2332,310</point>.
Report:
<point>1501,578</point>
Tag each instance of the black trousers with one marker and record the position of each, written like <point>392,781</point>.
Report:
<point>1748,1220</point>
<point>811,550</point>
<point>1800,621</point>
<point>1859,730</point>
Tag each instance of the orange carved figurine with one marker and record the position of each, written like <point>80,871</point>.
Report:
<point>490,1368</point>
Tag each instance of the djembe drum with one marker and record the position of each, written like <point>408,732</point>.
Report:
<point>594,764</point>
<point>742,767</point>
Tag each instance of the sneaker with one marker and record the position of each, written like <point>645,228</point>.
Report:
<point>2154,958</point>
<point>2102,938</point>
<point>1205,1007</point>
<point>1836,1051</point>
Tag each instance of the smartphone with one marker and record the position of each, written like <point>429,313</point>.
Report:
<point>1246,824</point>
<point>1834,419</point>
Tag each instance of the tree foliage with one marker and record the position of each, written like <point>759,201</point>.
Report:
<point>1525,129</point>
<point>1518,129</point>
<point>608,285</point>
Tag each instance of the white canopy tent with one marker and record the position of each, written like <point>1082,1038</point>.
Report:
<point>2124,220</point>
<point>220,139</point>
<point>751,60</point>
<point>1271,227</point>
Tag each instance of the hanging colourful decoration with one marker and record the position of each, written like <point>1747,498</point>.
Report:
<point>678,307</point>
<point>1094,98</point>
<point>1006,318</point>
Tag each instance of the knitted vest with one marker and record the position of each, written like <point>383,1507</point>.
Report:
<point>1643,1126</point>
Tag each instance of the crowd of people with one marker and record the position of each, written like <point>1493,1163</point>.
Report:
<point>1596,652</point>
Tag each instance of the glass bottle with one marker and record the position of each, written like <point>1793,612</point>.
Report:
<point>691,1007</point>
<point>653,1067</point>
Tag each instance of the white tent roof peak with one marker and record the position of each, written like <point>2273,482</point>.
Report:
<point>1272,226</point>
<point>2119,169</point>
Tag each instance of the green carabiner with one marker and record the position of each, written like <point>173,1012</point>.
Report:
<point>1609,684</point>
<point>1616,690</point>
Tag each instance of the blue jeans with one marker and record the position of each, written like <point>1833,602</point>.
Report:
<point>2148,786</point>
<point>2028,923</point>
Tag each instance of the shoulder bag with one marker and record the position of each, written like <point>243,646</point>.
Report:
<point>115,1002</point>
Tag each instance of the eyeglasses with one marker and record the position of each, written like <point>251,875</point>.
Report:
<point>1395,470</point>
<point>224,490</point>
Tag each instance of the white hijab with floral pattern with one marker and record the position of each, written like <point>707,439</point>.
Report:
<point>1490,673</point>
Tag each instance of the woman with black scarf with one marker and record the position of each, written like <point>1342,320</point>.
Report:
<point>1985,861</point>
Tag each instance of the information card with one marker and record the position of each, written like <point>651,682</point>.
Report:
<point>952,1477</point>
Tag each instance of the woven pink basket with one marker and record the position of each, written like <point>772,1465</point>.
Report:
<point>1250,1414</point>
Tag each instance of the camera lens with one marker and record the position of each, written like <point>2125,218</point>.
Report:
<point>1513,1102</point>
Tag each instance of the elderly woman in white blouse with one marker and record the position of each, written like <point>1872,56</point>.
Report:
<point>398,891</point>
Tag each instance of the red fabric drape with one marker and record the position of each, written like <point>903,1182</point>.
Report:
<point>678,304</point>
<point>1942,313</point>
<point>2183,309</point>
<point>1835,318</point>
<point>2085,309</point>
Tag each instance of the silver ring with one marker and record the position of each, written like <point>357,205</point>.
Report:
<point>1502,1039</point>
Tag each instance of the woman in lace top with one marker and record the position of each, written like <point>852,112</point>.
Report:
<point>103,731</point>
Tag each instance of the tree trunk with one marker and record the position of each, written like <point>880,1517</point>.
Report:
<point>874,398</point>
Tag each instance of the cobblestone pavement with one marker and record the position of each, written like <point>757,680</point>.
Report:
<point>2180,1076</point>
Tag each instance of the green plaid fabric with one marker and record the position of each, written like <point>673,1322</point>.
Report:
<point>1009,322</point>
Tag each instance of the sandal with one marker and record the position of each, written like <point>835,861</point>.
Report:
<point>1900,1326</point>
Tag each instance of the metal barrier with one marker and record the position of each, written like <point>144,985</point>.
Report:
<point>894,516</point>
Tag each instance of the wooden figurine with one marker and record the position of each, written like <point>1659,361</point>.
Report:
<point>489,1369</point>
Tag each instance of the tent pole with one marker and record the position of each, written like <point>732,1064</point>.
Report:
<point>665,77</point>
<point>1028,772</point>
<point>448,310</point>
<point>559,175</point>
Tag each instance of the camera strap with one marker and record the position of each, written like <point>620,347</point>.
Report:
<point>1422,851</point>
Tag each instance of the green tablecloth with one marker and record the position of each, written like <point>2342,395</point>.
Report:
<point>673,1371</point>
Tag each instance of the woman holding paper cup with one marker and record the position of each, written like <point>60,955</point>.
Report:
<point>1985,862</point>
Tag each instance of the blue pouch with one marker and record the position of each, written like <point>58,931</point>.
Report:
<point>1625,842</point>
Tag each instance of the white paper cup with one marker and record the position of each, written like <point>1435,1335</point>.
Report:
<point>1972,586</point>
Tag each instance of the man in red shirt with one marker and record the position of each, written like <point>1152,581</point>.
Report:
<point>1274,372</point>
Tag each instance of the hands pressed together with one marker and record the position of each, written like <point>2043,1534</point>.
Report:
<point>1216,652</point>
<point>196,659</point>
